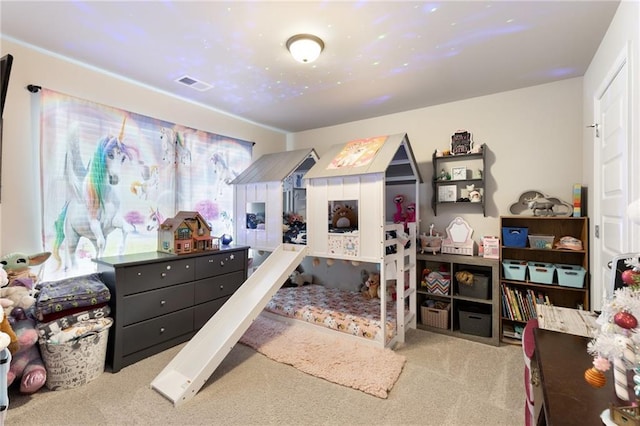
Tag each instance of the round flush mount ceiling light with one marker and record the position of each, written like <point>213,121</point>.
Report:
<point>305,48</point>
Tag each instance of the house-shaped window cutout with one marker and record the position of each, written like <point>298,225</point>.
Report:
<point>343,216</point>
<point>256,215</point>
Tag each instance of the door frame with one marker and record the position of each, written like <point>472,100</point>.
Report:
<point>622,59</point>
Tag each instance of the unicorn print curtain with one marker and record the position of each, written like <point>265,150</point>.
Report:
<point>110,177</point>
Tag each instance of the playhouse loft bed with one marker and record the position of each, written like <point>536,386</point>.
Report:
<point>271,188</point>
<point>365,176</point>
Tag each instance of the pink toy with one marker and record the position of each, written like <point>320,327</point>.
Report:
<point>398,216</point>
<point>26,364</point>
<point>410,215</point>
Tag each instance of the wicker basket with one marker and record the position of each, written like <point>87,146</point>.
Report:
<point>74,363</point>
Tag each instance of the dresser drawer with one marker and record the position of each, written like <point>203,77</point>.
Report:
<point>219,263</point>
<point>157,275</point>
<point>150,304</point>
<point>220,286</point>
<point>151,332</point>
<point>206,310</point>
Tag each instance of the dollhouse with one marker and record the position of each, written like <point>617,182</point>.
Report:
<point>186,232</point>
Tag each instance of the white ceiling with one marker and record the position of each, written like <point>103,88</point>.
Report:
<point>380,57</point>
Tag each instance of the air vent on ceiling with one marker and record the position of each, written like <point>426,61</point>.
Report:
<point>194,83</point>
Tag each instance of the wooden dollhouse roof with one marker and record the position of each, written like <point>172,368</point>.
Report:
<point>277,166</point>
<point>390,154</point>
<point>172,223</point>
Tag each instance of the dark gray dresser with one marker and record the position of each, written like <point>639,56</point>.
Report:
<point>159,300</point>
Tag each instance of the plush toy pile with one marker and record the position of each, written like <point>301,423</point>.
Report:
<point>45,313</point>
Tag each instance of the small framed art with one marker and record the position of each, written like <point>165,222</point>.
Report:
<point>447,193</point>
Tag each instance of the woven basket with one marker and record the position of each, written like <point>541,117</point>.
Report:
<point>75,363</point>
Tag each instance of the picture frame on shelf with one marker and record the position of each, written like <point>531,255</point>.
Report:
<point>459,173</point>
<point>447,193</point>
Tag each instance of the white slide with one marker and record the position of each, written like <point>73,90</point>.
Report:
<point>183,377</point>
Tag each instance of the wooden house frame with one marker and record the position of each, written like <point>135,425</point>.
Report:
<point>270,187</point>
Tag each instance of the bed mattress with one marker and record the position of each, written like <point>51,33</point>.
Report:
<point>346,311</point>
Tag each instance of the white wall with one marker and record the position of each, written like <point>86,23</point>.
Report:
<point>20,209</point>
<point>534,137</point>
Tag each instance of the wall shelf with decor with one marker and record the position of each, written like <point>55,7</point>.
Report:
<point>453,176</point>
<point>450,307</point>
<point>538,268</point>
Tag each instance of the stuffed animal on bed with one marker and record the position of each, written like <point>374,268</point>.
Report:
<point>343,216</point>
<point>299,279</point>
<point>27,365</point>
<point>371,286</point>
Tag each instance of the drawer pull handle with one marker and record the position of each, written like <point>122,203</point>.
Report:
<point>139,274</point>
<point>222,287</point>
<point>162,302</point>
<point>187,266</point>
<point>222,263</point>
<point>210,260</point>
<point>164,274</point>
<point>161,330</point>
<point>168,267</point>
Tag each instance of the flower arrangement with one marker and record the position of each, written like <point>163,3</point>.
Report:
<point>617,339</point>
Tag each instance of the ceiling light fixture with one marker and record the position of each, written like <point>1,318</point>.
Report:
<point>305,48</point>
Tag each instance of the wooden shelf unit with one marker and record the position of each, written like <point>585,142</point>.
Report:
<point>558,226</point>
<point>454,263</point>
<point>446,163</point>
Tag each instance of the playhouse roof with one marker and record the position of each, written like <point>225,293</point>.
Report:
<point>172,223</point>
<point>276,166</point>
<point>390,154</point>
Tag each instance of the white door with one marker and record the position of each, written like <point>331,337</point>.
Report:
<point>611,177</point>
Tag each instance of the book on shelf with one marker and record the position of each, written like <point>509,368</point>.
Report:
<point>520,304</point>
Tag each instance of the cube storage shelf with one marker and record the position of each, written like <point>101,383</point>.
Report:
<point>531,274</point>
<point>473,313</point>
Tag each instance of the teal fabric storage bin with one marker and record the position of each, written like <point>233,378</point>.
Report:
<point>570,275</point>
<point>541,273</point>
<point>514,269</point>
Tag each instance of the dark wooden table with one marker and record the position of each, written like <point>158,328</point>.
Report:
<point>568,399</point>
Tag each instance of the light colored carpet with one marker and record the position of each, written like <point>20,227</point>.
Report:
<point>445,381</point>
<point>326,355</point>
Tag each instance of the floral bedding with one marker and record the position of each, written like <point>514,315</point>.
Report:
<point>346,311</point>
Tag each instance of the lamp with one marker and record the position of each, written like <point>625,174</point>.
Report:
<point>305,48</point>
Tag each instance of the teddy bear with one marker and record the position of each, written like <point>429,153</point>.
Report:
<point>21,296</point>
<point>5,360</point>
<point>299,279</point>
<point>371,286</point>
<point>27,365</point>
<point>6,329</point>
<point>344,217</point>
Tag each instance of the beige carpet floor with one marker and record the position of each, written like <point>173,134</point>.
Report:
<point>445,381</point>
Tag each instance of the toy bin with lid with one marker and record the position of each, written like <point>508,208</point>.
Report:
<point>541,273</point>
<point>570,275</point>
<point>514,236</point>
